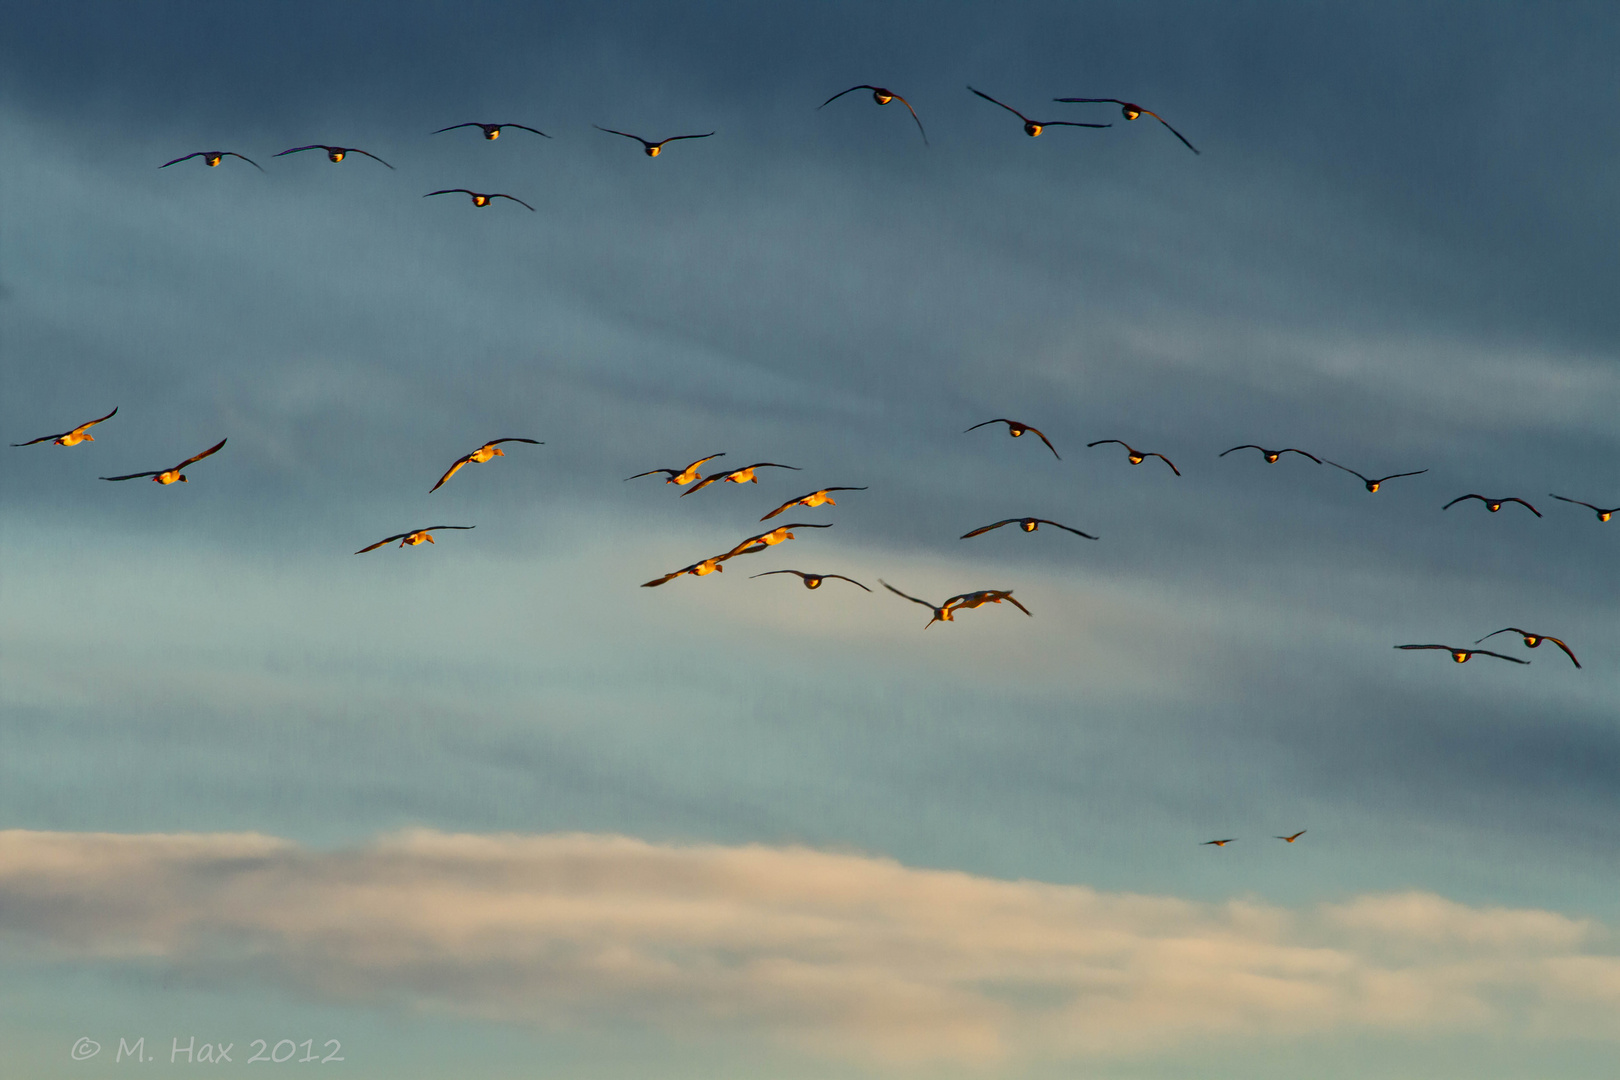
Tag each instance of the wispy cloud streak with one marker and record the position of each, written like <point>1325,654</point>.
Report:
<point>844,955</point>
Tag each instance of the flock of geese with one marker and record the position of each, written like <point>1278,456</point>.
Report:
<point>692,480</point>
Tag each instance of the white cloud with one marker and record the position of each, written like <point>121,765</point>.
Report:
<point>843,955</point>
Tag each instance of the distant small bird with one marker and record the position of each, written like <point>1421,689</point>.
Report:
<point>489,450</point>
<point>1462,655</point>
<point>1028,524</point>
<point>491,131</point>
<point>1533,641</point>
<point>770,539</point>
<point>1296,836</point>
<point>813,581</point>
<point>812,500</point>
<point>679,477</point>
<point>1136,456</point>
<point>710,565</point>
<point>744,475</point>
<point>882,97</point>
<point>1015,429</point>
<point>333,153</point>
<point>653,149</point>
<point>1132,112</point>
<point>71,438</point>
<point>412,538</point>
<point>1373,485</point>
<point>1218,843</point>
<point>212,158</point>
<point>1602,514</point>
<point>478,197</point>
<point>942,613</point>
<point>1033,128</point>
<point>1271,456</point>
<point>169,476</point>
<point>1493,505</point>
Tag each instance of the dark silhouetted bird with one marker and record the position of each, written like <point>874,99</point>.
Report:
<point>1033,128</point>
<point>1133,112</point>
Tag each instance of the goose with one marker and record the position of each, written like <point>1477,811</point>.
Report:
<point>744,475</point>
<point>412,538</point>
<point>1602,514</point>
<point>1137,456</point>
<point>1029,524</point>
<point>1271,456</point>
<point>679,477</point>
<point>653,149</point>
<point>769,539</point>
<point>813,581</point>
<point>212,158</point>
<point>1132,112</point>
<point>489,450</point>
<point>1462,656</point>
<point>479,198</point>
<point>169,476</point>
<point>74,437</point>
<point>816,498</point>
<point>710,565</point>
<point>1533,641</point>
<point>1374,485</point>
<point>1033,128</point>
<point>1015,429</point>
<point>882,97</point>
<point>333,153</point>
<point>491,131</point>
<point>1493,505</point>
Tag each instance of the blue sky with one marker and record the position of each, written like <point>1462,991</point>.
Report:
<point>1397,250</point>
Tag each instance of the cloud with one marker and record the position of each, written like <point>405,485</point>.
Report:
<point>843,955</point>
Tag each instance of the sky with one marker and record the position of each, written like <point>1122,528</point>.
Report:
<point>487,806</point>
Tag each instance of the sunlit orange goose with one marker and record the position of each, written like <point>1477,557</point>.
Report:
<point>967,601</point>
<point>491,131</point>
<point>169,476</point>
<point>1132,112</point>
<point>489,450</point>
<point>710,565</point>
<point>744,475</point>
<point>813,581</point>
<point>882,97</point>
<point>479,198</point>
<point>769,539</point>
<point>1533,640</point>
<point>1029,524</point>
<point>679,477</point>
<point>1493,505</point>
<point>71,438</point>
<point>412,538</point>
<point>1462,656</point>
<point>1271,456</point>
<point>812,500</point>
<point>1602,514</point>
<point>1218,843</point>
<point>653,149</point>
<point>1296,836</point>
<point>1033,128</point>
<point>334,153</point>
<point>1374,485</point>
<point>1137,456</point>
<point>212,158</point>
<point>1016,428</point>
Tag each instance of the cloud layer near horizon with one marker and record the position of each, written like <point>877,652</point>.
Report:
<point>844,955</point>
